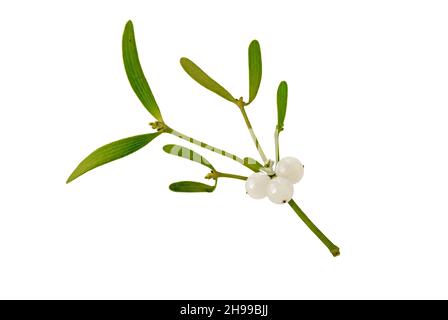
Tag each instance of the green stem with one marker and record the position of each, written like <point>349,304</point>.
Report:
<point>254,137</point>
<point>332,247</point>
<point>207,146</point>
<point>277,145</point>
<point>229,175</point>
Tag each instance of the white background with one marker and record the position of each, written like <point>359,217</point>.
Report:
<point>367,115</point>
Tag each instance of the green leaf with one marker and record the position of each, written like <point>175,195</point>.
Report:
<point>135,73</point>
<point>191,186</point>
<point>187,154</point>
<point>255,69</point>
<point>252,164</point>
<point>111,152</point>
<point>282,99</point>
<point>204,80</point>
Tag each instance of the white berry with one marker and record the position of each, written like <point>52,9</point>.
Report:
<point>290,168</point>
<point>256,185</point>
<point>280,190</point>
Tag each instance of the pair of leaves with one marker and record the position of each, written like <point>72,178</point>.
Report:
<point>189,186</point>
<point>139,84</point>
<point>255,72</point>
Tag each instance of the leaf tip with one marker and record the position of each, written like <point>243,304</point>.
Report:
<point>254,43</point>
<point>70,178</point>
<point>167,148</point>
<point>184,61</point>
<point>129,24</point>
<point>128,34</point>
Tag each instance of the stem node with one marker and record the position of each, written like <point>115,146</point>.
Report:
<point>158,125</point>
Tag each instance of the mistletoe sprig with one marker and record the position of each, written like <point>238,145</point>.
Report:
<point>273,179</point>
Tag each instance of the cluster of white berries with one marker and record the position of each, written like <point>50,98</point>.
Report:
<point>279,189</point>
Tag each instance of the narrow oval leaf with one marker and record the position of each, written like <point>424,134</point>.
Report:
<point>191,186</point>
<point>186,153</point>
<point>204,79</point>
<point>135,73</point>
<point>252,164</point>
<point>111,152</point>
<point>282,100</point>
<point>255,69</point>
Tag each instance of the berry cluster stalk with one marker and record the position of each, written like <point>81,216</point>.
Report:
<point>330,245</point>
